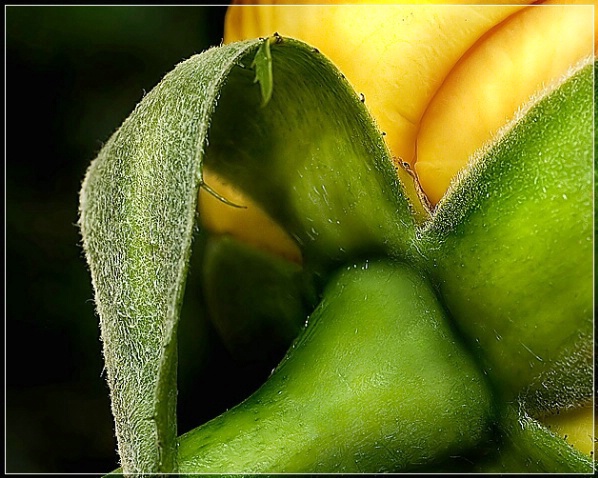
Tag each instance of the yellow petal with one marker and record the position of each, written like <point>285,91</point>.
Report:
<point>248,222</point>
<point>513,62</point>
<point>576,426</point>
<point>396,55</point>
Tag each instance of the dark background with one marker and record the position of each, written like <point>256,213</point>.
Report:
<point>73,74</point>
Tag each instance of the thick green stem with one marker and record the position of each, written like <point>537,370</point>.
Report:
<point>375,383</point>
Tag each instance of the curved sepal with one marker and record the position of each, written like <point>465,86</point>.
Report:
<point>307,151</point>
<point>511,251</point>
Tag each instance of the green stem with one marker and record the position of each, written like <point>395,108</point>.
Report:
<point>375,383</point>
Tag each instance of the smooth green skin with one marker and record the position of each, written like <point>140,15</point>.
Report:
<point>511,252</point>
<point>257,301</point>
<point>313,159</point>
<point>376,382</point>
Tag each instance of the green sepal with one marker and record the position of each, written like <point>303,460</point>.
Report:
<point>511,251</point>
<point>311,156</point>
<point>137,214</point>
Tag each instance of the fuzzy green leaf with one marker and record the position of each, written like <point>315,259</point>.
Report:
<point>138,207</point>
<point>311,157</point>
<point>511,248</point>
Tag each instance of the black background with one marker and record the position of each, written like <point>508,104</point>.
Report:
<point>73,74</point>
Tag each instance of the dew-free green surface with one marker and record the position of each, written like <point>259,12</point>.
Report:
<point>376,382</point>
<point>511,252</point>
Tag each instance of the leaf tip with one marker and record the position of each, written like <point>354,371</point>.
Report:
<point>263,68</point>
